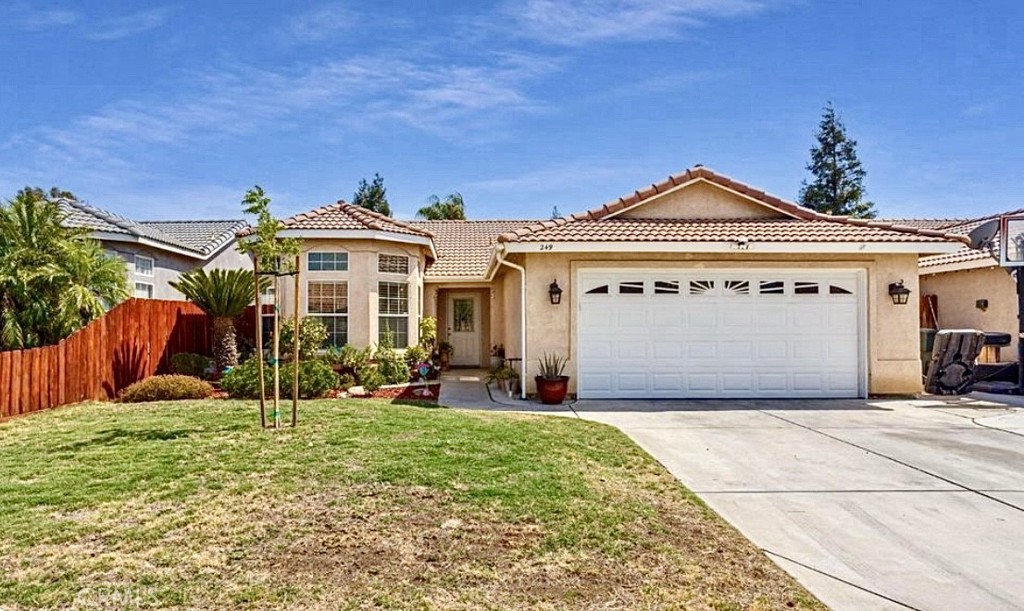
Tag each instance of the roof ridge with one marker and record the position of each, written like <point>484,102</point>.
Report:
<point>157,222</point>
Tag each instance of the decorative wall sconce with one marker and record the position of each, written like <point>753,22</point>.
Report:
<point>900,294</point>
<point>555,293</point>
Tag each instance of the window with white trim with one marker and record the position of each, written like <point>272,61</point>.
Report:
<point>144,266</point>
<point>143,290</point>
<point>328,301</point>
<point>393,312</point>
<point>327,261</point>
<point>392,264</point>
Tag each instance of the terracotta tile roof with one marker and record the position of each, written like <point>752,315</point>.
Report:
<point>714,230</point>
<point>570,228</point>
<point>464,248</point>
<point>343,216</point>
<point>199,237</point>
<point>967,255</point>
<point>924,223</point>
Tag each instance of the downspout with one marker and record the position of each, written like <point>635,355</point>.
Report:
<point>500,251</point>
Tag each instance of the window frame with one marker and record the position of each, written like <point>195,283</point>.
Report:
<point>320,253</point>
<point>333,316</point>
<point>400,336</point>
<point>135,292</point>
<point>152,266</point>
<point>380,259</point>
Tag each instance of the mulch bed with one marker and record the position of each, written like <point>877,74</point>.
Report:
<point>410,393</point>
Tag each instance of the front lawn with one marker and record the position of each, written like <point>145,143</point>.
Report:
<point>366,505</point>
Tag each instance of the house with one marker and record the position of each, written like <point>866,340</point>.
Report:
<point>697,286</point>
<point>158,252</point>
<point>967,289</point>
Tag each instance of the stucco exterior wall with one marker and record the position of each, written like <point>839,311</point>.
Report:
<point>958,291</point>
<point>893,358</point>
<point>362,278</point>
<point>701,201</point>
<point>169,266</point>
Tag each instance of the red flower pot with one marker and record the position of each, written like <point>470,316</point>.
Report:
<point>552,391</point>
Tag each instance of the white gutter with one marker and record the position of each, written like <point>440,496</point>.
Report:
<point>500,252</point>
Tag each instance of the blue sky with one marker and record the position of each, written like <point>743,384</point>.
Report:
<point>172,110</point>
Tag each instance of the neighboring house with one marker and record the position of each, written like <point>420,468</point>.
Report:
<point>158,252</point>
<point>698,286</point>
<point>968,287</point>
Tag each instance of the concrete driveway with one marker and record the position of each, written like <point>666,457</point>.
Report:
<point>870,504</point>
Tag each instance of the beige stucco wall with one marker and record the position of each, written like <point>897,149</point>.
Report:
<point>168,266</point>
<point>700,200</point>
<point>893,341</point>
<point>362,277</point>
<point>958,291</point>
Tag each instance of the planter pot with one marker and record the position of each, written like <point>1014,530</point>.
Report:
<point>552,391</point>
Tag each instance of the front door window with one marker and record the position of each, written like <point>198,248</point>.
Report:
<point>463,315</point>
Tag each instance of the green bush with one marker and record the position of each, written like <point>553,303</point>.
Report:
<point>312,335</point>
<point>166,388</point>
<point>414,355</point>
<point>428,333</point>
<point>371,380</point>
<point>390,365</point>
<point>346,381</point>
<point>315,378</point>
<point>190,364</point>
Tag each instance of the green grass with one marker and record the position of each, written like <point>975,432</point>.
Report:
<point>365,504</point>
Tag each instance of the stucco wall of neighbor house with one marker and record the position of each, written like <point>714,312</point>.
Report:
<point>958,291</point>
<point>168,267</point>
<point>893,358</point>
<point>362,278</point>
<point>701,201</point>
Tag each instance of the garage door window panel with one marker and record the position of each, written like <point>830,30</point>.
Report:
<point>631,288</point>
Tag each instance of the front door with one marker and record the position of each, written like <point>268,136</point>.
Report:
<point>464,329</point>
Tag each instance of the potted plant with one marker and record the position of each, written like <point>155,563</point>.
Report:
<point>552,386</point>
<point>504,376</point>
<point>497,356</point>
<point>444,352</point>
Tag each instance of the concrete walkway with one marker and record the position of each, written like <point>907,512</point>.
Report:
<point>467,389</point>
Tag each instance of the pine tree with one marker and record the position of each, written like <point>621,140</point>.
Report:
<point>838,177</point>
<point>372,196</point>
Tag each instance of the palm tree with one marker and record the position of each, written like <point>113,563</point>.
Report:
<point>223,295</point>
<point>53,279</point>
<point>452,208</point>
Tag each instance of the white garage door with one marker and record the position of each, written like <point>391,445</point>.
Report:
<point>719,334</point>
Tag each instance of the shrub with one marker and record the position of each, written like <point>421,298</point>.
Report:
<point>315,378</point>
<point>371,380</point>
<point>414,355</point>
<point>428,332</point>
<point>166,388</point>
<point>312,335</point>
<point>349,358</point>
<point>390,365</point>
<point>190,364</point>
<point>346,381</point>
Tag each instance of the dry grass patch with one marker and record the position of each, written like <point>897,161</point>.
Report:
<point>366,505</point>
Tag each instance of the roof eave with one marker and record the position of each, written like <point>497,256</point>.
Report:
<point>737,247</point>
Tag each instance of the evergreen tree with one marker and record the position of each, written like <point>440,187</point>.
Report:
<point>372,196</point>
<point>837,186</point>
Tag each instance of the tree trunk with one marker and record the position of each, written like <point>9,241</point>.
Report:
<point>225,344</point>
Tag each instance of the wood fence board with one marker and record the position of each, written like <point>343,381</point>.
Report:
<point>131,342</point>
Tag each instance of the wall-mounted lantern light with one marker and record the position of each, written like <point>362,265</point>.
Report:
<point>555,293</point>
<point>900,294</point>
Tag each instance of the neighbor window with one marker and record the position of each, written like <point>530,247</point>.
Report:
<point>393,264</point>
<point>328,301</point>
<point>327,261</point>
<point>143,290</point>
<point>143,265</point>
<point>393,312</point>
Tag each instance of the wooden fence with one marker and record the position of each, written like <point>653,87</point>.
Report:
<point>133,341</point>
